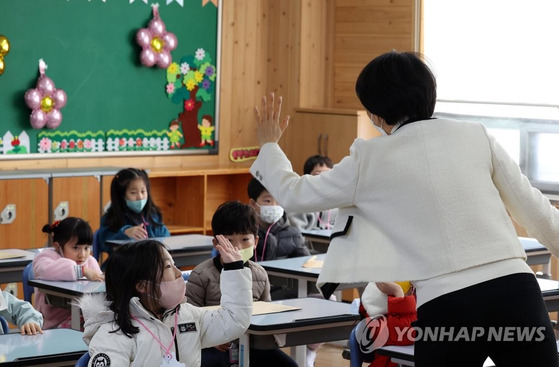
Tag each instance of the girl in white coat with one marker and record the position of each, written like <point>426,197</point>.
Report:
<point>145,320</point>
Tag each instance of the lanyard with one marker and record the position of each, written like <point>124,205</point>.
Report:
<point>264,245</point>
<point>167,350</point>
<point>319,214</point>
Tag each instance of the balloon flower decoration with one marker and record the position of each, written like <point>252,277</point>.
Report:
<point>4,49</point>
<point>156,42</point>
<point>45,101</point>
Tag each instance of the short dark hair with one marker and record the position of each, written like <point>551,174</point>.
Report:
<point>69,228</point>
<point>315,160</point>
<point>234,217</point>
<point>397,86</point>
<point>255,189</point>
<point>127,265</point>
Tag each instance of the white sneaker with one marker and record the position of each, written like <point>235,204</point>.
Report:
<point>311,356</point>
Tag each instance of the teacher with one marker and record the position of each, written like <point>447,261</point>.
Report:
<point>427,201</point>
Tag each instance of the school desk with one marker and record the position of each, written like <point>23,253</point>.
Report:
<point>186,249</point>
<point>316,321</point>
<point>55,347</point>
<point>292,268</point>
<point>69,291</point>
<point>403,354</point>
<point>12,263</point>
<point>537,254</point>
<point>318,239</point>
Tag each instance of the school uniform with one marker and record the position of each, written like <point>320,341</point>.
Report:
<point>50,265</point>
<point>197,328</point>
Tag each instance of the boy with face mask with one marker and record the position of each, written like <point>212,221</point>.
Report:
<point>277,238</point>
<point>238,222</point>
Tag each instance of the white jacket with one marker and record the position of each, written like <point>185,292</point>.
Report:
<point>428,200</point>
<point>197,327</point>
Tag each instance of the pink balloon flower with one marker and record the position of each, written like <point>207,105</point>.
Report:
<point>45,101</point>
<point>156,42</point>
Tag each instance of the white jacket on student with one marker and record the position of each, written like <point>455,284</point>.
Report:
<point>197,327</point>
<point>428,200</point>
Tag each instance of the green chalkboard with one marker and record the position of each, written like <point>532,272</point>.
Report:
<point>115,104</point>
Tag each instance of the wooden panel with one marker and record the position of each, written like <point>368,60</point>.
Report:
<point>181,200</point>
<point>243,68</point>
<point>327,132</point>
<point>316,52</point>
<point>222,188</point>
<point>82,195</point>
<point>364,30</point>
<point>31,199</point>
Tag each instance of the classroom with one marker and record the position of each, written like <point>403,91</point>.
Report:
<point>186,113</point>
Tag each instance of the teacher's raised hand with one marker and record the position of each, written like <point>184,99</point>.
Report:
<point>270,128</point>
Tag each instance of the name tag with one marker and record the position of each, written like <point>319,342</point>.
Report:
<point>185,328</point>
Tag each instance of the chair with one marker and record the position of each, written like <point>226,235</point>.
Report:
<point>95,245</point>
<point>83,361</point>
<point>356,356</point>
<point>4,323</point>
<point>27,289</point>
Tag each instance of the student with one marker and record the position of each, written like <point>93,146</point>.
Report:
<point>239,224</point>
<point>132,213</point>
<point>395,301</point>
<point>315,165</point>
<point>144,319</point>
<point>277,239</point>
<point>68,260</point>
<point>428,201</point>
<point>20,313</point>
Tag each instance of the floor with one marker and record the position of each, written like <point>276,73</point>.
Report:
<point>329,355</point>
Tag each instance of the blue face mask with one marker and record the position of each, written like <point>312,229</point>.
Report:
<point>136,205</point>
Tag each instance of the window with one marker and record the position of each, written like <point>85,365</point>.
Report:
<point>498,51</point>
<point>496,62</point>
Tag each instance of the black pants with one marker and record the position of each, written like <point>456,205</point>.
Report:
<point>504,319</point>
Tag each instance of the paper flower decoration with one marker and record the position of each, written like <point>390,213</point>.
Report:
<point>45,101</point>
<point>156,42</point>
<point>4,49</point>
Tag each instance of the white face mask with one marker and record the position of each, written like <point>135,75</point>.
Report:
<point>247,253</point>
<point>270,213</point>
<point>379,128</point>
<point>172,293</point>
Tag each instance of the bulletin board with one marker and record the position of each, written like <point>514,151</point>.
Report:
<point>115,103</point>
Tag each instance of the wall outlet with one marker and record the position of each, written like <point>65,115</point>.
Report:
<point>8,215</point>
<point>11,288</point>
<point>61,211</point>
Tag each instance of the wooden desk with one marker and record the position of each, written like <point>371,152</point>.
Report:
<point>11,270</point>
<point>186,249</point>
<point>56,347</point>
<point>69,291</point>
<point>317,321</point>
